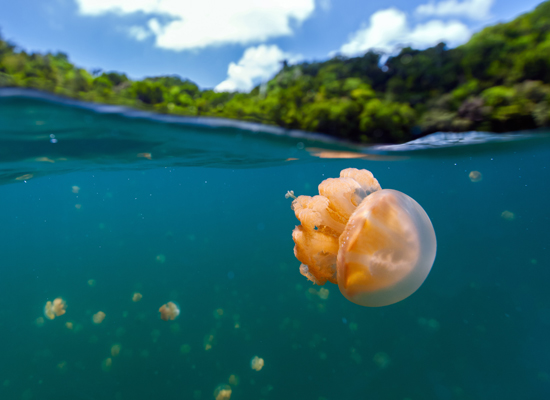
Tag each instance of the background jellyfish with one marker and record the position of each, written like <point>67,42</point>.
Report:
<point>136,297</point>
<point>222,392</point>
<point>98,317</point>
<point>55,308</point>
<point>475,176</point>
<point>257,363</point>
<point>169,311</point>
<point>377,245</point>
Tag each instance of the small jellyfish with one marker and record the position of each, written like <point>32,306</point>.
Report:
<point>234,380</point>
<point>98,317</point>
<point>185,349</point>
<point>69,325</point>
<point>208,341</point>
<point>55,308</point>
<point>377,245</point>
<point>475,176</point>
<point>222,392</point>
<point>136,297</point>
<point>508,215</point>
<point>62,366</point>
<point>115,349</point>
<point>75,189</point>
<point>24,177</point>
<point>91,282</point>
<point>44,159</point>
<point>257,363</point>
<point>107,364</point>
<point>290,194</point>
<point>382,360</point>
<point>169,311</point>
<point>148,156</point>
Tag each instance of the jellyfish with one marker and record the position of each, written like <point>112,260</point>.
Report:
<point>222,392</point>
<point>107,364</point>
<point>115,349</point>
<point>98,317</point>
<point>55,308</point>
<point>257,363</point>
<point>475,176</point>
<point>136,297</point>
<point>169,311</point>
<point>378,245</point>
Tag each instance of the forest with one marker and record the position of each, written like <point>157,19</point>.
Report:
<point>498,82</point>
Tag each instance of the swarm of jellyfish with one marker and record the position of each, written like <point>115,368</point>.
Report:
<point>378,245</point>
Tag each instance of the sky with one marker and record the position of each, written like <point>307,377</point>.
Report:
<point>234,45</point>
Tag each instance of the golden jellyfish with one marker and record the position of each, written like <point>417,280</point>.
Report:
<point>136,297</point>
<point>98,317</point>
<point>257,363</point>
<point>378,245</point>
<point>107,364</point>
<point>222,392</point>
<point>115,349</point>
<point>55,308</point>
<point>169,311</point>
<point>475,176</point>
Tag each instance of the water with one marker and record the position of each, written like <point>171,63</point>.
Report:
<point>203,221</point>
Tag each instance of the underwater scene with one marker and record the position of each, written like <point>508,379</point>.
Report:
<point>152,257</point>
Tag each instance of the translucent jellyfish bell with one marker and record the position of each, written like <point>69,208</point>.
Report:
<point>377,245</point>
<point>386,251</point>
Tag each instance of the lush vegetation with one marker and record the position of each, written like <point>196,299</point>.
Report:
<point>498,81</point>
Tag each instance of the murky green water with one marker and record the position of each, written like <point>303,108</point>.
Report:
<point>196,214</point>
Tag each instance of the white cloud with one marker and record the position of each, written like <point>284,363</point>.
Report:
<point>474,9</point>
<point>453,33</point>
<point>389,30</point>
<point>139,33</point>
<point>193,24</point>
<point>257,64</point>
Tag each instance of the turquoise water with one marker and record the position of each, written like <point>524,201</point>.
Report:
<point>99,203</point>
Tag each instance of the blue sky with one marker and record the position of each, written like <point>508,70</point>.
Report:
<point>233,45</point>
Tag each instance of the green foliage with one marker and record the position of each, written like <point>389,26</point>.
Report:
<point>498,81</point>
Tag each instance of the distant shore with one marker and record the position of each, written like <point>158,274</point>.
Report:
<point>497,82</point>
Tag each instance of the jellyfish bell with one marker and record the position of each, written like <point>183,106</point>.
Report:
<point>377,245</point>
<point>386,251</point>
